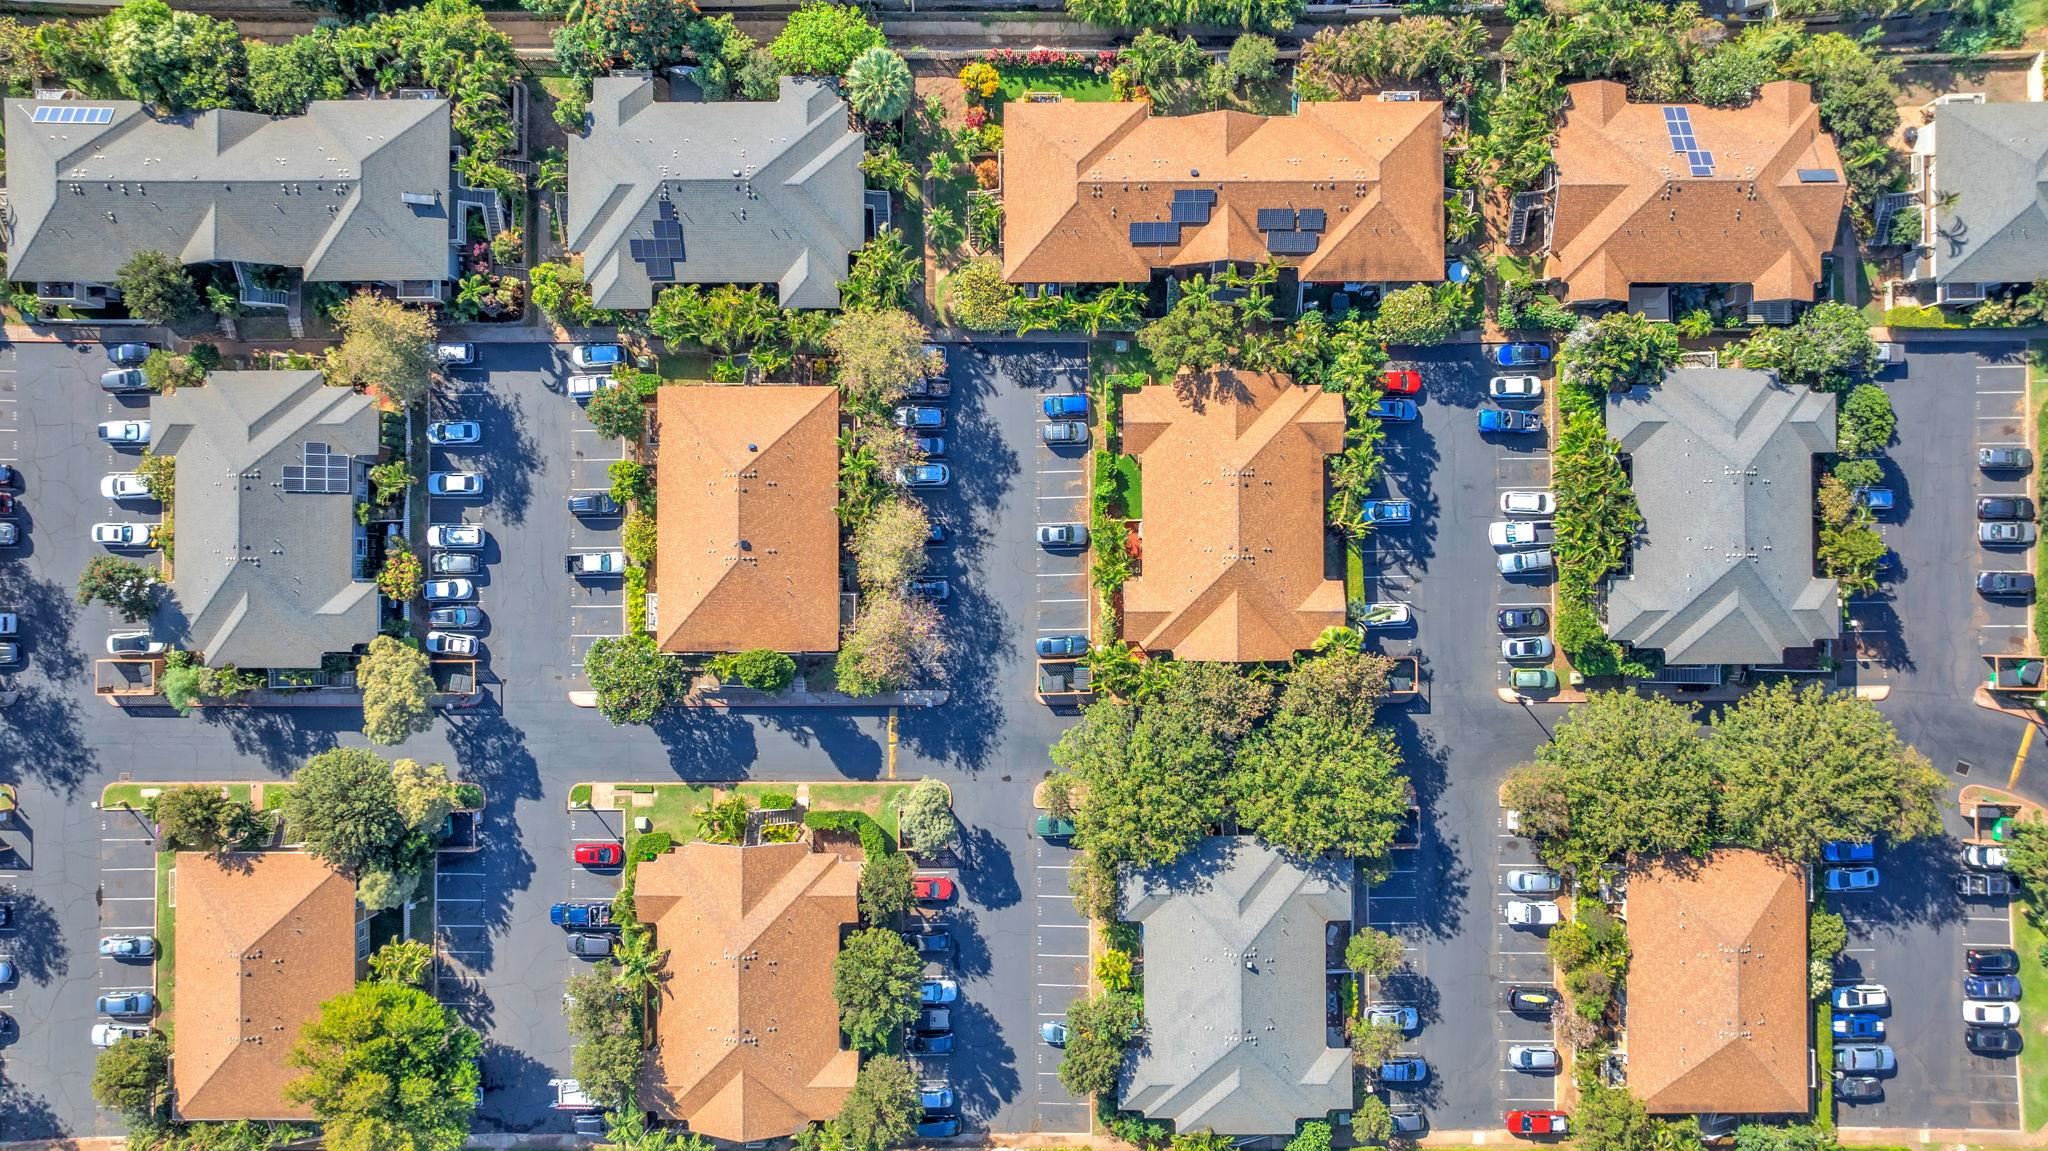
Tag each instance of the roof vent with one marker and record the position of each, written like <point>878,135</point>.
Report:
<point>418,199</point>
<point>752,448</point>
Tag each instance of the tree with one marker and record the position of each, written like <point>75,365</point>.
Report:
<point>423,793</point>
<point>2026,846</point>
<point>160,475</point>
<point>725,319</point>
<point>164,371</point>
<point>885,272</point>
<point>176,61</point>
<point>401,574</point>
<point>884,887</point>
<point>386,347</point>
<point>387,1067</point>
<point>1154,781</point>
<point>760,669</point>
<point>1417,314</point>
<point>1371,1121</point>
<point>889,546</point>
<point>1858,473</point>
<point>978,298</point>
<point>883,1108</point>
<point>618,414</point>
<point>156,288</point>
<point>1198,333</point>
<point>637,963</point>
<point>397,690</point>
<point>604,1025</point>
<point>1374,1043</point>
<point>1620,350</point>
<point>926,819</point>
<point>633,680</point>
<point>1798,768</point>
<point>124,585</point>
<point>1730,75</point>
<point>878,85</point>
<point>1623,775</point>
<point>875,980</point>
<point>1866,421</point>
<point>1314,1134</point>
<point>1252,60</point>
<point>402,961</point>
<point>878,355</point>
<point>1611,1119</point>
<point>823,39</point>
<point>894,640</point>
<point>344,809</point>
<point>1829,349</point>
<point>1313,787</point>
<point>190,817</point>
<point>1098,1031</point>
<point>1343,686</point>
<point>284,78</point>
<point>1374,953</point>
<point>133,1077</point>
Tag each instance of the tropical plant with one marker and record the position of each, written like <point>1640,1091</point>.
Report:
<point>878,85</point>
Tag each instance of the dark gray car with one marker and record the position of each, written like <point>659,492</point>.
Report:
<point>2005,459</point>
<point>455,563</point>
<point>128,355</point>
<point>2005,583</point>
<point>589,945</point>
<point>2004,508</point>
<point>1065,432</point>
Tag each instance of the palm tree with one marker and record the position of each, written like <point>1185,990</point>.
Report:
<point>878,85</point>
<point>724,821</point>
<point>636,964</point>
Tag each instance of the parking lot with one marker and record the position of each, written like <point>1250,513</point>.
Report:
<point>1062,497</point>
<point>127,900</point>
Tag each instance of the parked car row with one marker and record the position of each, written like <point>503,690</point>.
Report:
<point>2005,521</point>
<point>931,1034</point>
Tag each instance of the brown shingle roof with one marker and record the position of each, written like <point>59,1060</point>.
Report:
<point>1717,1007</point>
<point>1077,175</point>
<point>747,1035</point>
<point>748,487</point>
<point>1630,212</point>
<point>1233,543</point>
<point>263,938</point>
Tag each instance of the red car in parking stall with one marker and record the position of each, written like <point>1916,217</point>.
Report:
<point>1402,382</point>
<point>931,888</point>
<point>1536,1123</point>
<point>599,854</point>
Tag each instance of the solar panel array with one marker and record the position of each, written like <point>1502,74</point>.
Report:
<point>71,114</point>
<point>661,254</point>
<point>1310,219</point>
<point>1678,122</point>
<point>1291,243</point>
<point>1702,163</point>
<point>1276,219</point>
<point>1154,234</point>
<point>322,470</point>
<point>1192,205</point>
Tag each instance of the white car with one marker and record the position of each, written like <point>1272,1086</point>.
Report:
<point>1406,1018</point>
<point>1512,534</point>
<point>452,355</point>
<point>449,590</point>
<point>597,355</point>
<point>1527,913</point>
<point>108,1034</point>
<point>1515,388</point>
<point>445,432</point>
<point>1990,1013</point>
<point>125,431</point>
<point>1390,614</point>
<point>1861,997</point>
<point>124,486</point>
<point>1539,881</point>
<point>584,387</point>
<point>450,643</point>
<point>602,563</point>
<point>1985,857</point>
<point>456,537</point>
<point>455,484</point>
<point>1532,1057</point>
<point>134,643</point>
<point>125,535</point>
<point>1526,647</point>
<point>1527,504</point>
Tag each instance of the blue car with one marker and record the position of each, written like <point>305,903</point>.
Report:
<point>935,1097</point>
<point>1991,987</point>
<point>1066,407</point>
<point>1859,1026</point>
<point>1055,646</point>
<point>1395,411</point>
<point>1386,512</point>
<point>1504,420</point>
<point>1878,500</point>
<point>1521,355</point>
<point>938,1127</point>
<point>1842,851</point>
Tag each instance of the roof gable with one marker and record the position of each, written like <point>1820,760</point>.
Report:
<point>1995,158</point>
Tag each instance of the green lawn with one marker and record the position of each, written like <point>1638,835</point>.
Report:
<point>166,942</point>
<point>1824,1053</point>
<point>694,364</point>
<point>2028,940</point>
<point>130,794</point>
<point>1104,359</point>
<point>880,800</point>
<point>579,795</point>
<point>1073,83</point>
<point>1519,269</point>
<point>672,810</point>
<point>1354,573</point>
<point>1130,485</point>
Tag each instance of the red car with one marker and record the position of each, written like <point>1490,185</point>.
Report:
<point>931,888</point>
<point>1402,382</point>
<point>599,854</point>
<point>1536,1123</point>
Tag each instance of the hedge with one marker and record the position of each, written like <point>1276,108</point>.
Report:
<point>646,847</point>
<point>2041,553</point>
<point>873,839</point>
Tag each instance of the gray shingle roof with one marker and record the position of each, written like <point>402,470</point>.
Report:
<point>322,192</point>
<point>1235,993</point>
<point>1723,470</point>
<point>764,193</point>
<point>265,577</point>
<point>1996,156</point>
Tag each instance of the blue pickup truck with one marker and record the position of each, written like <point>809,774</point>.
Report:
<point>586,915</point>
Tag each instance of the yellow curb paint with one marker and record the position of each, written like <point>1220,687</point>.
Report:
<point>2019,761</point>
<point>892,743</point>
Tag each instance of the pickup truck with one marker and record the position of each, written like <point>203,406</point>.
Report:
<point>1518,534</point>
<point>581,915</point>
<point>604,563</point>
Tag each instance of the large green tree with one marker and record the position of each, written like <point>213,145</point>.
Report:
<point>1797,768</point>
<point>132,1078</point>
<point>1098,1031</point>
<point>344,808</point>
<point>176,61</point>
<point>385,347</point>
<point>388,1069</point>
<point>1311,786</point>
<point>1154,781</point>
<point>617,413</point>
<point>633,680</point>
<point>191,817</point>
<point>398,690</point>
<point>1620,350</point>
<point>883,1108</point>
<point>1829,349</point>
<point>824,38</point>
<point>604,1026</point>
<point>875,980</point>
<point>884,887</point>
<point>1624,774</point>
<point>156,288</point>
<point>878,354</point>
<point>1200,332</point>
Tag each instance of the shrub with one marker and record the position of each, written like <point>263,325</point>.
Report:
<point>1416,315</point>
<point>400,577</point>
<point>760,669</point>
<point>823,39</point>
<point>927,819</point>
<point>632,482</point>
<point>654,843</point>
<point>873,840</point>
<point>1914,316</point>
<point>980,80</point>
<point>978,297</point>
<point>638,535</point>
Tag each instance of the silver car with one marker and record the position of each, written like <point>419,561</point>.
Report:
<point>1526,647</point>
<point>1532,1057</point>
<point>1063,535</point>
<point>1384,1014</point>
<point>1538,881</point>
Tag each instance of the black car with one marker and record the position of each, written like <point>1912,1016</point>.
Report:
<point>1532,1000</point>
<point>593,504</point>
<point>934,1021</point>
<point>2005,583</point>
<point>127,355</point>
<point>1984,883</point>
<point>1992,1040</point>
<point>1859,1088</point>
<point>2005,459</point>
<point>1986,961</point>
<point>2004,508</point>
<point>1523,619</point>
<point>928,1044</point>
<point>932,942</point>
<point>584,945</point>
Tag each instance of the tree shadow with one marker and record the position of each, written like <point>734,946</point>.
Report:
<point>25,1116</point>
<point>1439,866</point>
<point>282,738</point>
<point>509,458</point>
<point>984,1067</point>
<point>516,1095</point>
<point>43,734</point>
<point>37,946</point>
<point>48,646</point>
<point>706,743</point>
<point>987,859</point>
<point>853,751</point>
